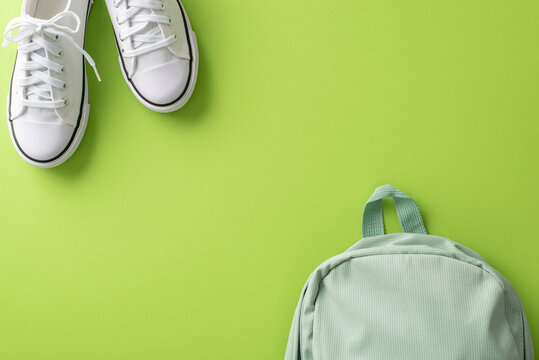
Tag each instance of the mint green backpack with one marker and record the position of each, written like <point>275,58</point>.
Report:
<point>409,296</point>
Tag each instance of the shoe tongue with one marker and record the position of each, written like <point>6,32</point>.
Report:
<point>45,10</point>
<point>31,96</point>
<point>152,59</point>
<point>33,9</point>
<point>150,29</point>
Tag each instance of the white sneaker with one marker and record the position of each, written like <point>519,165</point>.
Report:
<point>158,51</point>
<point>48,100</point>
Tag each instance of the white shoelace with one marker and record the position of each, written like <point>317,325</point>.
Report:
<point>35,38</point>
<point>144,30</point>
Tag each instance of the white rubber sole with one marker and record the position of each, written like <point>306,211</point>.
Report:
<point>72,147</point>
<point>192,81</point>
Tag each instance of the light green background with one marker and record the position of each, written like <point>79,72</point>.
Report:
<point>190,235</point>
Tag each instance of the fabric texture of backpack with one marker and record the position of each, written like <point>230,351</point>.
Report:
<point>407,296</point>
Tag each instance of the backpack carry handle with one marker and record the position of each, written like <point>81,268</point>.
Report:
<point>407,211</point>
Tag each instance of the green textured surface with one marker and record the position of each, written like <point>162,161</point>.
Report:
<point>190,235</point>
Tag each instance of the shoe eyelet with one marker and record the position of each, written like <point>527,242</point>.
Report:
<point>170,21</point>
<point>163,6</point>
<point>64,86</point>
<point>118,20</point>
<point>60,53</point>
<point>116,5</point>
<point>175,36</point>
<point>66,101</point>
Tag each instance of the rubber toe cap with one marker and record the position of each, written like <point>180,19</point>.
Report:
<point>41,141</point>
<point>164,84</point>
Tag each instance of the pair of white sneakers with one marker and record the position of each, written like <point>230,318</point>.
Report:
<point>48,100</point>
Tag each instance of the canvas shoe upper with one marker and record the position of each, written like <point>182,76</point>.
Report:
<point>47,105</point>
<point>158,52</point>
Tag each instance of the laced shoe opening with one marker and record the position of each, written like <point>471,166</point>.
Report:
<point>46,9</point>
